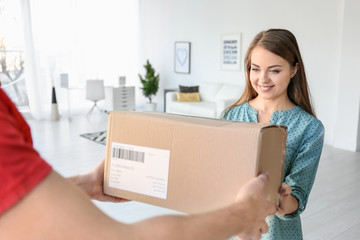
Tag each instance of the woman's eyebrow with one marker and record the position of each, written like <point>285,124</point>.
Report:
<point>272,66</point>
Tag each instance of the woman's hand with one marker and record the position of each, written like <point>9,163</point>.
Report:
<point>288,203</point>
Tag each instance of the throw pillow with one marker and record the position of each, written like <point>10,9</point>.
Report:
<point>188,97</point>
<point>189,89</point>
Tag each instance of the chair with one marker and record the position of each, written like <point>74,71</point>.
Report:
<point>95,92</point>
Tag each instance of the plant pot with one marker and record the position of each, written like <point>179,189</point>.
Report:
<point>151,107</point>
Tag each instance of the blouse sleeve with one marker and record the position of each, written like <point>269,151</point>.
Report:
<point>304,168</point>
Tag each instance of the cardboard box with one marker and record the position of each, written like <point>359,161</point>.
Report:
<point>186,163</point>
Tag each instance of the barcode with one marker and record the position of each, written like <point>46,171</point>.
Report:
<point>128,155</point>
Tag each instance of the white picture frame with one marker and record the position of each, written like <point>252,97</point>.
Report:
<point>182,57</point>
<point>231,51</point>
<point>64,80</point>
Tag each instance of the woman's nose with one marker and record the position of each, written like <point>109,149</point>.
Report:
<point>263,77</point>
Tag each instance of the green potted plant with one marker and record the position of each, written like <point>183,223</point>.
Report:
<point>150,85</point>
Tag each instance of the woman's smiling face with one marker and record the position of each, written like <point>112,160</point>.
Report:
<point>270,74</point>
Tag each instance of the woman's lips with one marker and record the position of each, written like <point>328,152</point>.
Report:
<point>265,88</point>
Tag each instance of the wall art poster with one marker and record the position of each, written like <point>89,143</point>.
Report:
<point>230,52</point>
<point>182,57</point>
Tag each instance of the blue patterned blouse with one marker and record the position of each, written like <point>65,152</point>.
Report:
<point>303,149</point>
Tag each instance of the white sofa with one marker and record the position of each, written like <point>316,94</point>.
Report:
<point>215,97</point>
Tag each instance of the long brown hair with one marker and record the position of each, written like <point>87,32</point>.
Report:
<point>282,43</point>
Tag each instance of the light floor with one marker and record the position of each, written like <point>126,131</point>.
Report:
<point>333,210</point>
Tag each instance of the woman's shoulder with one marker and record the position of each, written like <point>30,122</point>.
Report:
<point>235,110</point>
<point>243,106</point>
<point>310,119</point>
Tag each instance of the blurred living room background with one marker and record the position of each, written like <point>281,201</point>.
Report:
<point>83,39</point>
<point>65,43</point>
<point>109,39</point>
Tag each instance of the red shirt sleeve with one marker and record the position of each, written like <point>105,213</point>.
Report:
<point>21,167</point>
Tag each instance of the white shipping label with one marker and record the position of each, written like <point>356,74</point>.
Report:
<point>139,169</point>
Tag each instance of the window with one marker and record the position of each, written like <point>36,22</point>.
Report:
<point>12,53</point>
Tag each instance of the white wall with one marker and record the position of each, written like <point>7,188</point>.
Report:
<point>318,26</point>
<point>348,82</point>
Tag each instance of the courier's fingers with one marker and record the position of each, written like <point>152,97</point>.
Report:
<point>257,234</point>
<point>264,228</point>
<point>265,177</point>
<point>271,209</point>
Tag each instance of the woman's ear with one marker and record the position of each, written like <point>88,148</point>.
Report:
<point>295,70</point>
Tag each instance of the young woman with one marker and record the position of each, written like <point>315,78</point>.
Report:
<point>276,92</point>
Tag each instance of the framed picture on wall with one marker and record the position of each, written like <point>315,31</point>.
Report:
<point>182,57</point>
<point>231,51</point>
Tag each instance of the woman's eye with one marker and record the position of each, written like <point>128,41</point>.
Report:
<point>255,69</point>
<point>274,71</point>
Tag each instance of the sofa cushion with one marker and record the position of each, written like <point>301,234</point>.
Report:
<point>188,97</point>
<point>208,90</point>
<point>188,89</point>
<point>180,107</point>
<point>228,91</point>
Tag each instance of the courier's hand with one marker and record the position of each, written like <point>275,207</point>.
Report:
<point>92,184</point>
<point>96,190</point>
<point>288,203</point>
<point>256,208</point>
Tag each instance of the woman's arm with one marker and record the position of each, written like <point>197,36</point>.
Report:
<point>303,170</point>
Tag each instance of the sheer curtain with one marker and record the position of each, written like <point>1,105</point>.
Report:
<point>88,39</point>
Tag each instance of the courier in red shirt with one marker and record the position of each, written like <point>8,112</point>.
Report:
<point>21,167</point>
<point>37,203</point>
